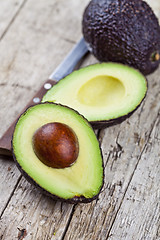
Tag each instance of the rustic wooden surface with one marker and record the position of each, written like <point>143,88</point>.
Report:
<point>34,38</point>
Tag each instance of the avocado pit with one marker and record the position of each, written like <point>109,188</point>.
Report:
<point>56,145</point>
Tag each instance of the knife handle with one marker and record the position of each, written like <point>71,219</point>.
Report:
<point>5,140</point>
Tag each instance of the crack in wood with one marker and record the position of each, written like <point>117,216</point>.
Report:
<point>11,195</point>
<point>13,19</point>
<point>108,157</point>
<point>141,110</point>
<point>16,85</point>
<point>21,86</point>
<point>69,40</point>
<point>116,152</point>
<point>3,84</point>
<point>69,221</point>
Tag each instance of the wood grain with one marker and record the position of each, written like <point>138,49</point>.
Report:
<point>40,216</point>
<point>140,211</point>
<point>128,207</point>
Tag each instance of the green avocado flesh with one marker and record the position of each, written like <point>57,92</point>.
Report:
<point>82,179</point>
<point>100,92</point>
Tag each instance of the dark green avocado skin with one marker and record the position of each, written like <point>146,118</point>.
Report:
<point>112,122</point>
<point>124,31</point>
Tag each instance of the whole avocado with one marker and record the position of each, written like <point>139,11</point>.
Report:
<point>124,31</point>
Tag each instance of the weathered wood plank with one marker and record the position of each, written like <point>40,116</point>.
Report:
<point>9,174</point>
<point>40,217</point>
<point>139,215</point>
<point>9,10</point>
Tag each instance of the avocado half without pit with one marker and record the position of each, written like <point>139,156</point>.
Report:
<point>57,150</point>
<point>104,93</point>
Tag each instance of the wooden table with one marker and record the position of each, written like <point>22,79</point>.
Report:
<point>35,36</point>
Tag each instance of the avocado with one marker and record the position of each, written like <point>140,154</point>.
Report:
<point>125,31</point>
<point>104,93</point>
<point>45,126</point>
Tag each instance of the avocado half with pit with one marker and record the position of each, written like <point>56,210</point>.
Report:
<point>105,93</point>
<point>56,149</point>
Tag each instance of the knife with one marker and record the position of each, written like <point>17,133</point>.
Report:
<point>65,68</point>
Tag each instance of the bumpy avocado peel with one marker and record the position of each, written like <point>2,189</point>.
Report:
<point>125,31</point>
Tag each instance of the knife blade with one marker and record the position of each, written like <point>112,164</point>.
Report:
<point>66,67</point>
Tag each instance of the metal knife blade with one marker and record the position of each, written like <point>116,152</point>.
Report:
<point>65,68</point>
<point>70,61</point>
